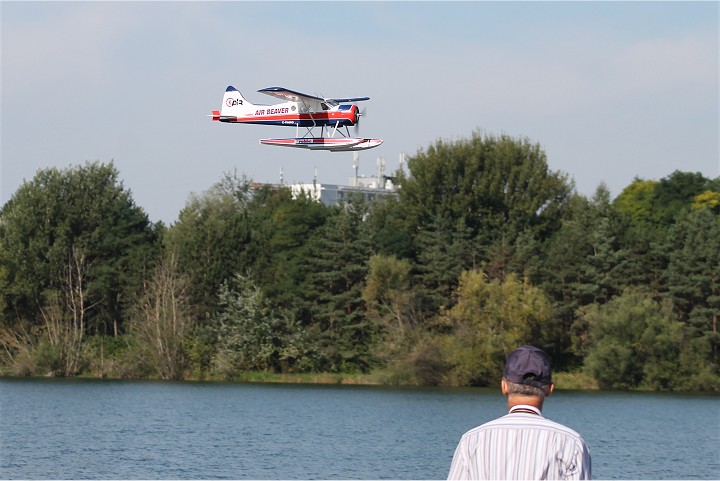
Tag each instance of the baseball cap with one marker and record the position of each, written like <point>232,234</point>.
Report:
<point>528,365</point>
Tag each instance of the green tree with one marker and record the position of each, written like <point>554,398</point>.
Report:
<point>694,272</point>
<point>3,285</point>
<point>282,229</point>
<point>645,257</point>
<point>499,186</point>
<point>637,200</point>
<point>333,305</point>
<point>83,208</point>
<point>635,341</point>
<point>660,202</point>
<point>251,337</point>
<point>605,258</point>
<point>388,295</point>
<point>490,319</point>
<point>641,236</point>
<point>391,234</point>
<point>676,193</point>
<point>408,352</point>
<point>445,249</point>
<point>577,266</point>
<point>213,239</point>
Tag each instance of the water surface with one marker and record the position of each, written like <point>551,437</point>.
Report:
<point>75,429</point>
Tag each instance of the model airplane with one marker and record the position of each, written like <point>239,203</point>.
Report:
<point>299,110</point>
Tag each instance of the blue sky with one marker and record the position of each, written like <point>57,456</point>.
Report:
<point>610,90</point>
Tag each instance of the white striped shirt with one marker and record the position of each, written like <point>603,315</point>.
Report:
<point>521,445</point>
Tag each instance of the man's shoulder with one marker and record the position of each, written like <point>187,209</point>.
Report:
<point>520,422</point>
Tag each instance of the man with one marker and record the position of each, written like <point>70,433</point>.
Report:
<point>522,444</point>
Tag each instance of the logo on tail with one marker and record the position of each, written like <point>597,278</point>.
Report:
<point>234,103</point>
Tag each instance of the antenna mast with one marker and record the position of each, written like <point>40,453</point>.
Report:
<point>356,165</point>
<point>381,170</point>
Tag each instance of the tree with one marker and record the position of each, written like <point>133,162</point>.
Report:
<point>213,239</point>
<point>579,266</point>
<point>445,249</point>
<point>614,357</point>
<point>499,186</point>
<point>637,199</point>
<point>68,336</point>
<point>392,305</point>
<point>693,272</point>
<point>390,232</point>
<point>389,298</point>
<point>164,319</point>
<point>676,193</point>
<point>659,202</point>
<point>251,336</point>
<point>84,208</point>
<point>635,341</point>
<point>490,319</point>
<point>333,304</point>
<point>282,230</point>
<point>56,346</point>
<point>707,199</point>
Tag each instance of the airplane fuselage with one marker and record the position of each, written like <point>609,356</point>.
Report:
<point>291,114</point>
<point>316,119</point>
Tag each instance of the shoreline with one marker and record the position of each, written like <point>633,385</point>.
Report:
<point>563,381</point>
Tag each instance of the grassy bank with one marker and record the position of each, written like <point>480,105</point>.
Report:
<point>563,380</point>
<point>574,380</point>
<point>307,378</point>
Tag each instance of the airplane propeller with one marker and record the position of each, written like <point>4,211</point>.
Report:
<point>359,113</point>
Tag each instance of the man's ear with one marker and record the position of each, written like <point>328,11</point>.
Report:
<point>503,387</point>
<point>550,389</point>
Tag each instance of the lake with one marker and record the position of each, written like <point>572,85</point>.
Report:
<point>80,429</point>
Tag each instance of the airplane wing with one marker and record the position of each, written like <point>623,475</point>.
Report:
<point>353,99</point>
<point>293,96</point>
<point>289,95</point>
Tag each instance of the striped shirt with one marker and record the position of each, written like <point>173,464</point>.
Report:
<point>521,445</point>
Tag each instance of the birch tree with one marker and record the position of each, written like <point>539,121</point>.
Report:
<point>164,319</point>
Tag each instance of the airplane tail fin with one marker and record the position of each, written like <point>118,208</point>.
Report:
<point>234,104</point>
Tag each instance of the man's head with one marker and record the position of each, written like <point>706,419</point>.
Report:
<point>528,373</point>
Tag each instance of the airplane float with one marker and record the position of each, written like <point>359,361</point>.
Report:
<point>333,116</point>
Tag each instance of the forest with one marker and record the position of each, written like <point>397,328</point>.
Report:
<point>483,249</point>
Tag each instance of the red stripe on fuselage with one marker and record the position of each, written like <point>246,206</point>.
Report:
<point>320,117</point>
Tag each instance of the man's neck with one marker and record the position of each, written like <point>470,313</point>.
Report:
<point>516,400</point>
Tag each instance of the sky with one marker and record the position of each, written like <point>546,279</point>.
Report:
<point>611,91</point>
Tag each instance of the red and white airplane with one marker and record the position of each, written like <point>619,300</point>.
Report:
<point>299,110</point>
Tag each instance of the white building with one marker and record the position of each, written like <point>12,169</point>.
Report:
<point>369,187</point>
<point>332,194</point>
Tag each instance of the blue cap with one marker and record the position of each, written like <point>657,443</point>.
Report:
<point>528,365</point>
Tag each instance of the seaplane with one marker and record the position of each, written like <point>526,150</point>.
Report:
<point>332,116</point>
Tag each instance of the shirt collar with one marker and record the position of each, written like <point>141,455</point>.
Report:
<point>525,408</point>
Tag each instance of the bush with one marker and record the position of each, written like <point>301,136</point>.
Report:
<point>636,342</point>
